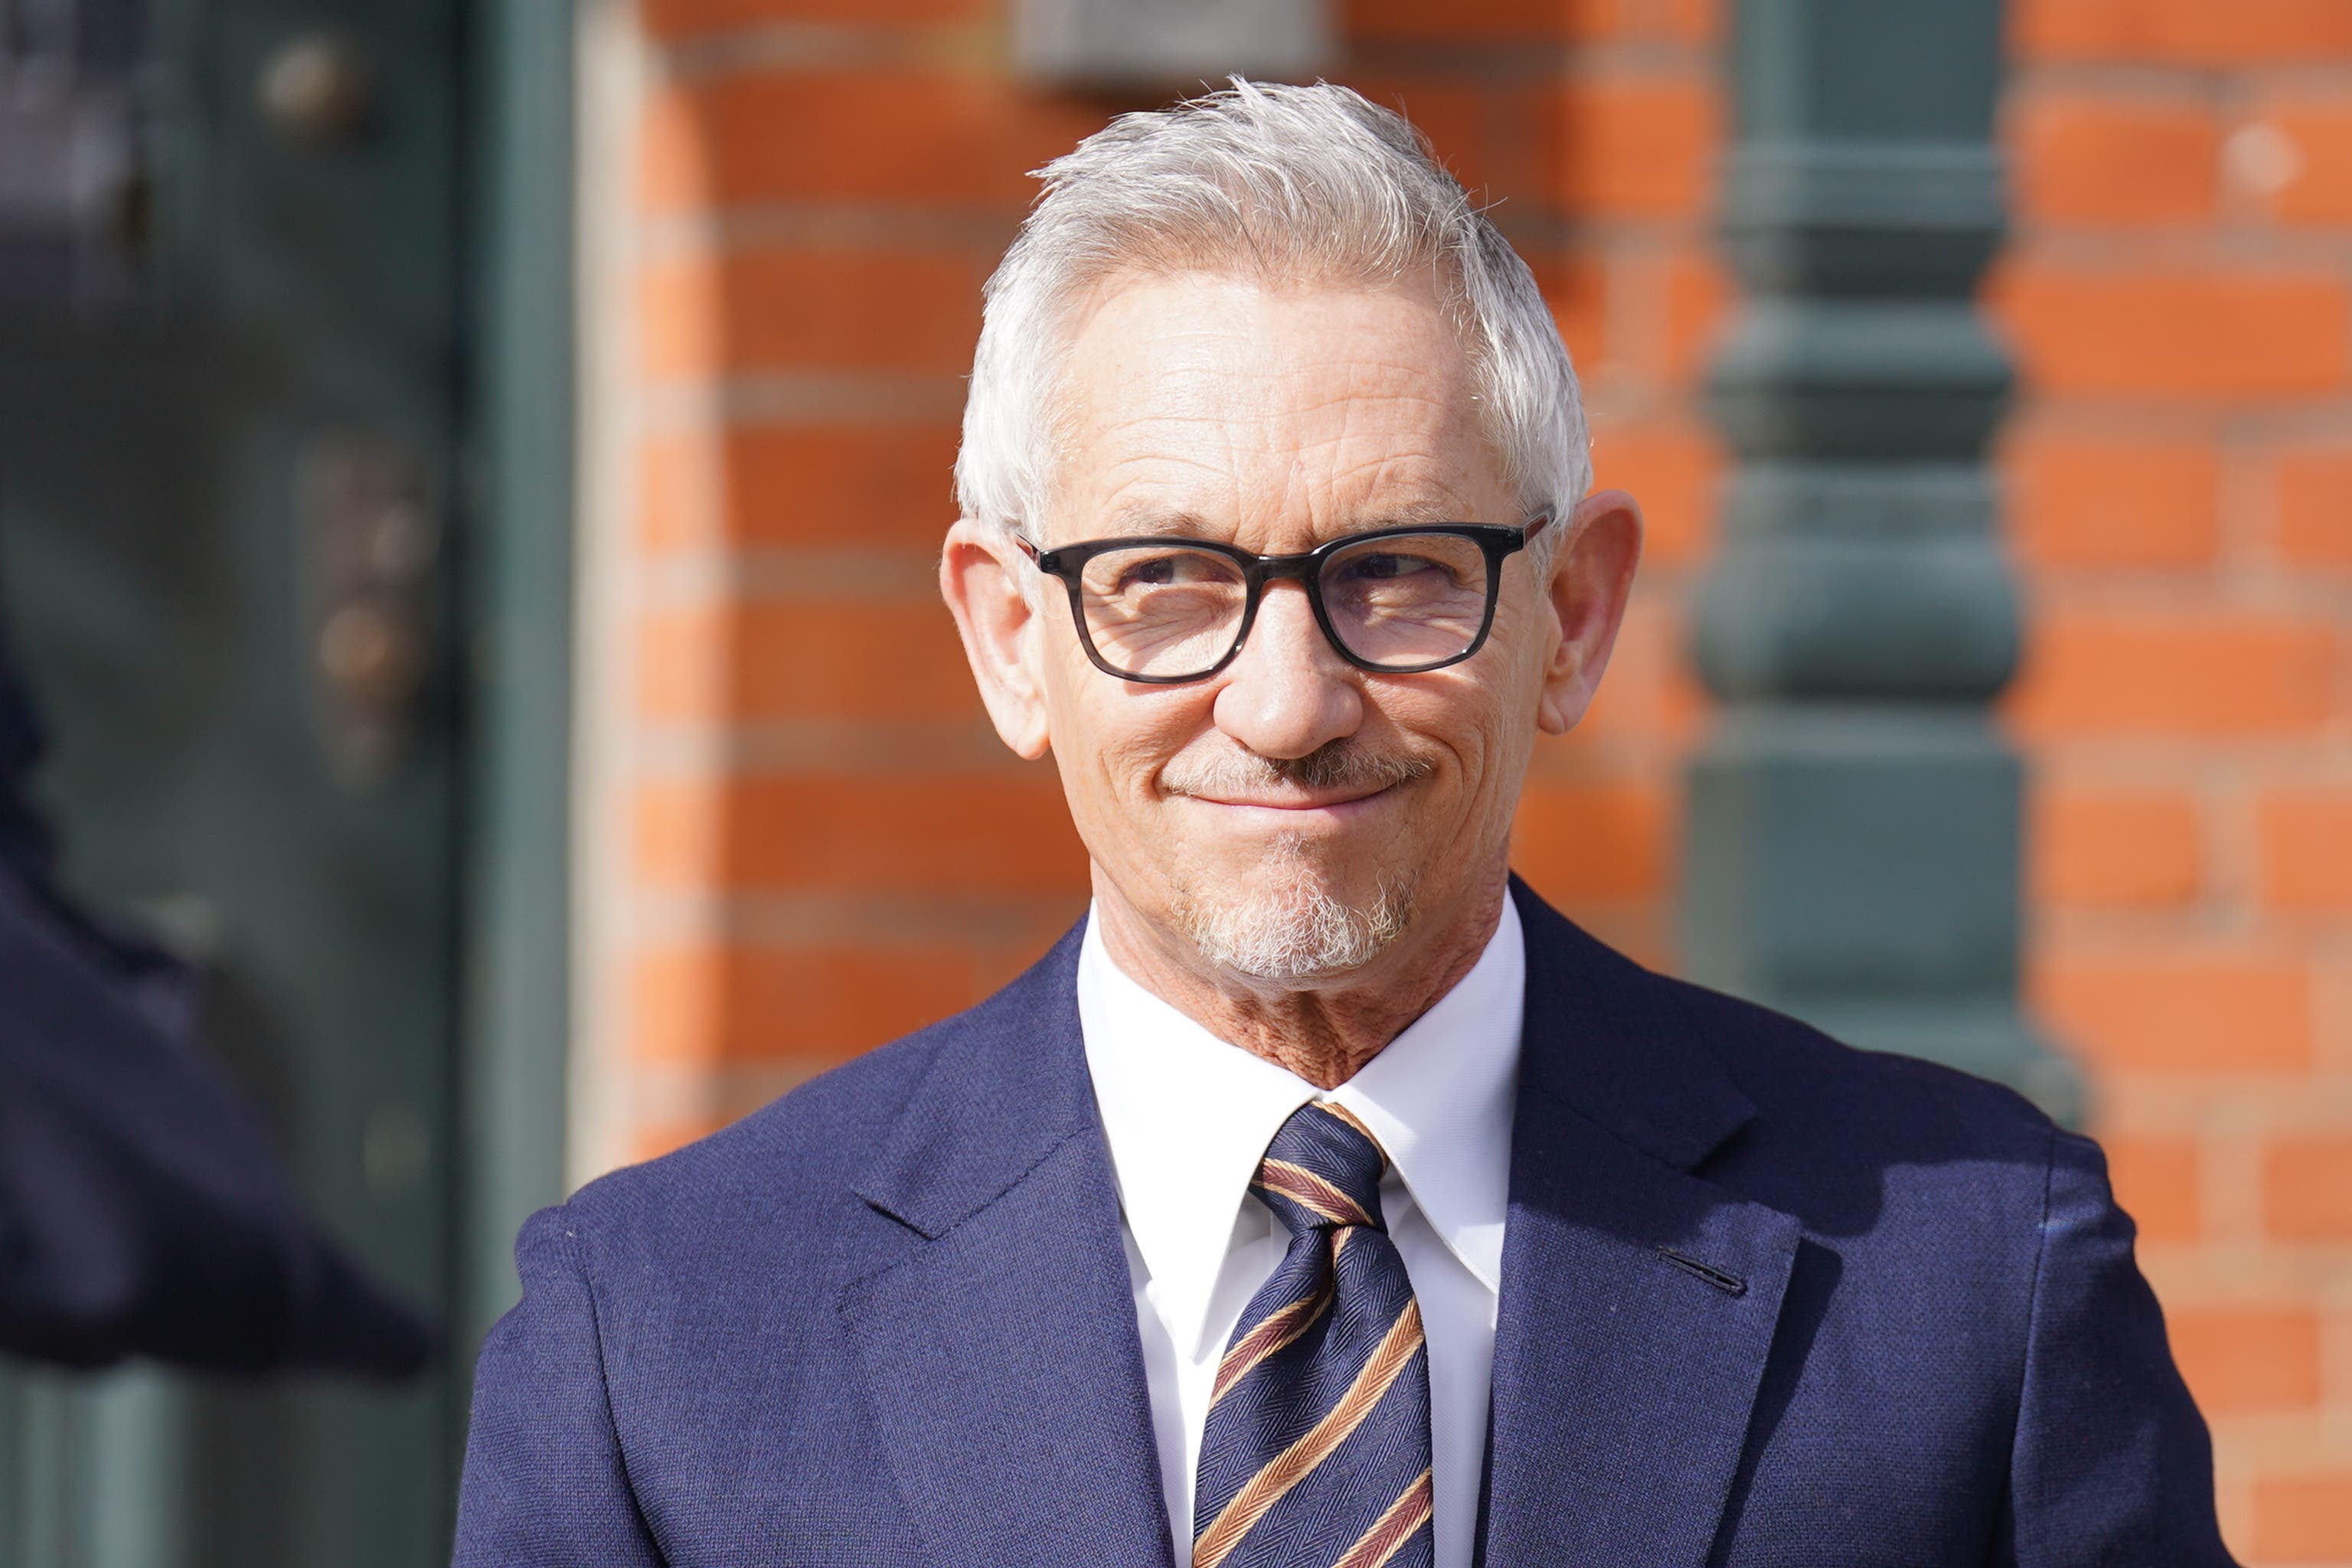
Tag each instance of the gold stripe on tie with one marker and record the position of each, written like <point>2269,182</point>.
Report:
<point>1307,1190</point>
<point>1331,1108</point>
<point>1268,1338</point>
<point>1293,1464</point>
<point>1392,1529</point>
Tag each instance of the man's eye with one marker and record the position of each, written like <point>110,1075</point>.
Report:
<point>1149,573</point>
<point>1388,564</point>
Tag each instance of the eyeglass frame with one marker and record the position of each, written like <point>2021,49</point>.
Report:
<point>1498,541</point>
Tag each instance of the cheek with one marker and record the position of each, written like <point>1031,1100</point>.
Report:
<point>1483,728</point>
<point>1111,738</point>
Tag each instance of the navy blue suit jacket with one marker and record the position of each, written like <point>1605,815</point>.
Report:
<point>1765,1301</point>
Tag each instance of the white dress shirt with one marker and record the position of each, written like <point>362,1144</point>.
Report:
<point>1188,1117</point>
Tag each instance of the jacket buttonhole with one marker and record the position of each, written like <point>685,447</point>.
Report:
<point>1729,1284</point>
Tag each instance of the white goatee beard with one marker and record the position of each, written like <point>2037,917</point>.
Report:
<point>1294,930</point>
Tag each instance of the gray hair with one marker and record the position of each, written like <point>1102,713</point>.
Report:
<point>1282,183</point>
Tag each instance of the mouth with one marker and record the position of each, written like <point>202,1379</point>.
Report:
<point>1280,798</point>
<point>1292,810</point>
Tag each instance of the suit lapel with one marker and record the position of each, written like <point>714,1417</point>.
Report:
<point>1002,1357</point>
<point>1638,1301</point>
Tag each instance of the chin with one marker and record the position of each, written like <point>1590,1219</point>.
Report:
<point>1286,922</point>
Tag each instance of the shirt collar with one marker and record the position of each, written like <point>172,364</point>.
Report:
<point>1188,1116</point>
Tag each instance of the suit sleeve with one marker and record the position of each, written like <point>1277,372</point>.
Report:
<point>545,1482</point>
<point>142,1210</point>
<point>2111,1463</point>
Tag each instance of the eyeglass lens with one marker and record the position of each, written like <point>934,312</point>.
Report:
<point>1399,602</point>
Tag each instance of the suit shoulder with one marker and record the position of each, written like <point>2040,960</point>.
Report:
<point>1885,1156</point>
<point>806,1140</point>
<point>1792,1070</point>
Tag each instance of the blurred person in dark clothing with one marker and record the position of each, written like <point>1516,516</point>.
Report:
<point>141,1210</point>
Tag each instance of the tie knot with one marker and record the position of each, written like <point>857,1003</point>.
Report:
<point>1322,1171</point>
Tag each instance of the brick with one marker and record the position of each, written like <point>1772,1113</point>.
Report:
<point>2304,1519</point>
<point>832,309</point>
<point>675,157</point>
<point>2227,333</point>
<point>844,487</point>
<point>1583,840</point>
<point>1517,172</point>
<point>1451,112</point>
<point>1495,135</point>
<point>2307,850</point>
<point>952,140</point>
<point>2108,501</point>
<point>1696,21</point>
<point>2094,159</point>
<point>1488,21</point>
<point>2314,505</point>
<point>2186,32</point>
<point>2106,847</point>
<point>1698,292</point>
<point>2187,1010</point>
<point>2307,1189</point>
<point>1675,469</point>
<point>792,658</point>
<point>2159,1182</point>
<point>2238,1359</point>
<point>711,1004</point>
<point>1003,832</point>
<point>682,322</point>
<point>2185,673</point>
<point>2317,133</point>
<point>683,492</point>
<point>652,1140</point>
<point>1638,146</point>
<point>1576,286</point>
<point>673,19</point>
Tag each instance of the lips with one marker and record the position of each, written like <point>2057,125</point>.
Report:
<point>1292,800</point>
<point>1302,801</point>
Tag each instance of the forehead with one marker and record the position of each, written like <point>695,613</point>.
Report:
<point>1255,409</point>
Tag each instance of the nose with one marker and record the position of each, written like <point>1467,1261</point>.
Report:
<point>1289,692</point>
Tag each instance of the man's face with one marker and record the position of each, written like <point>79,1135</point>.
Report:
<point>1290,816</point>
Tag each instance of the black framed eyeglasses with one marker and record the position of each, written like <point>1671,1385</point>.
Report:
<point>1395,601</point>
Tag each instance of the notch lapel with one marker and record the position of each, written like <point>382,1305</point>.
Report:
<point>1002,1357</point>
<point>1639,1301</point>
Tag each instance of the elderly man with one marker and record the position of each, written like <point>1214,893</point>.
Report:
<point>1325,1199</point>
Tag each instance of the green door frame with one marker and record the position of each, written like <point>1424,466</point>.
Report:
<point>514,1030</point>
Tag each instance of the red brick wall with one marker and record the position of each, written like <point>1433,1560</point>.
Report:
<point>811,842</point>
<point>2180,291</point>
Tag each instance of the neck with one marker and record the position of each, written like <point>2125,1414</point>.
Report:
<point>1323,1030</point>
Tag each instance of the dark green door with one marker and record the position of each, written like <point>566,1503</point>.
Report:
<point>229,382</point>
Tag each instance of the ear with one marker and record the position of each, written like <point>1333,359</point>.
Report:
<point>982,575</point>
<point>1591,578</point>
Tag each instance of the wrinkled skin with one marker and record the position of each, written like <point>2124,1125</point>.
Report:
<point>1277,420</point>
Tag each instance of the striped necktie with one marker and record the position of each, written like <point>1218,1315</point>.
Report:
<point>1315,1451</point>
